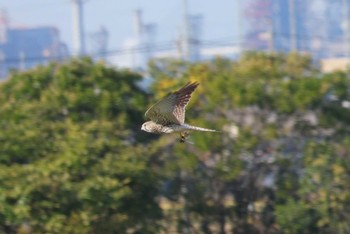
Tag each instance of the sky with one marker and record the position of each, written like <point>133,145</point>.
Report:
<point>220,17</point>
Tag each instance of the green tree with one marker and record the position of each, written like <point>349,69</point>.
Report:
<point>73,158</point>
<point>70,161</point>
<point>252,183</point>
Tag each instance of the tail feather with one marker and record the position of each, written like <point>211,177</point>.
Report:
<point>190,127</point>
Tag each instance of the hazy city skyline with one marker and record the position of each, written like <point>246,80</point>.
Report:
<point>220,18</point>
<point>129,34</point>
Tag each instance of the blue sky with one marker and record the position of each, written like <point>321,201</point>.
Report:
<point>220,17</point>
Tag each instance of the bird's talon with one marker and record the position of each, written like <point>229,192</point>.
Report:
<point>183,136</point>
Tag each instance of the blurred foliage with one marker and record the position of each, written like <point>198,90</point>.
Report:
<point>70,162</point>
<point>73,158</point>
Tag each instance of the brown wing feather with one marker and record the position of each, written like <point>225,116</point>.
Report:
<point>171,109</point>
<point>183,97</point>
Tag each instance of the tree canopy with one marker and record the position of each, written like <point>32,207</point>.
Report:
<point>74,160</point>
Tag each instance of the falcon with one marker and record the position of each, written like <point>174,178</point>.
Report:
<point>168,114</point>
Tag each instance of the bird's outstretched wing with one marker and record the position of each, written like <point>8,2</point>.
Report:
<point>171,108</point>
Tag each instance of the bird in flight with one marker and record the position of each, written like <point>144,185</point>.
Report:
<point>168,114</point>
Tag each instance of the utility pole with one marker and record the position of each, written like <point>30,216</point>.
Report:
<point>78,26</point>
<point>292,26</point>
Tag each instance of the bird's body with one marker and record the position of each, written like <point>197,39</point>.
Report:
<point>153,127</point>
<point>168,115</point>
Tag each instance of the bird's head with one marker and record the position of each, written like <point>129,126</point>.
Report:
<point>147,126</point>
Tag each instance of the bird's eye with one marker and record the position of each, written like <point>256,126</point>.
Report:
<point>144,126</point>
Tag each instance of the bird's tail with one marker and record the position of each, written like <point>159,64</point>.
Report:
<point>190,127</point>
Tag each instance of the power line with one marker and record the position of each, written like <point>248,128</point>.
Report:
<point>27,7</point>
<point>164,46</point>
<point>140,49</point>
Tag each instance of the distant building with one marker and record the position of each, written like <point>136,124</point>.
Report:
<point>317,27</point>
<point>23,48</point>
<point>334,64</point>
<point>188,45</point>
<point>290,25</point>
<point>278,25</point>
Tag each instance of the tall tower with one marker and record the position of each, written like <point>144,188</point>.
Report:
<point>194,34</point>
<point>78,27</point>
<point>138,24</point>
<point>190,35</point>
<point>144,36</point>
<point>185,32</point>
